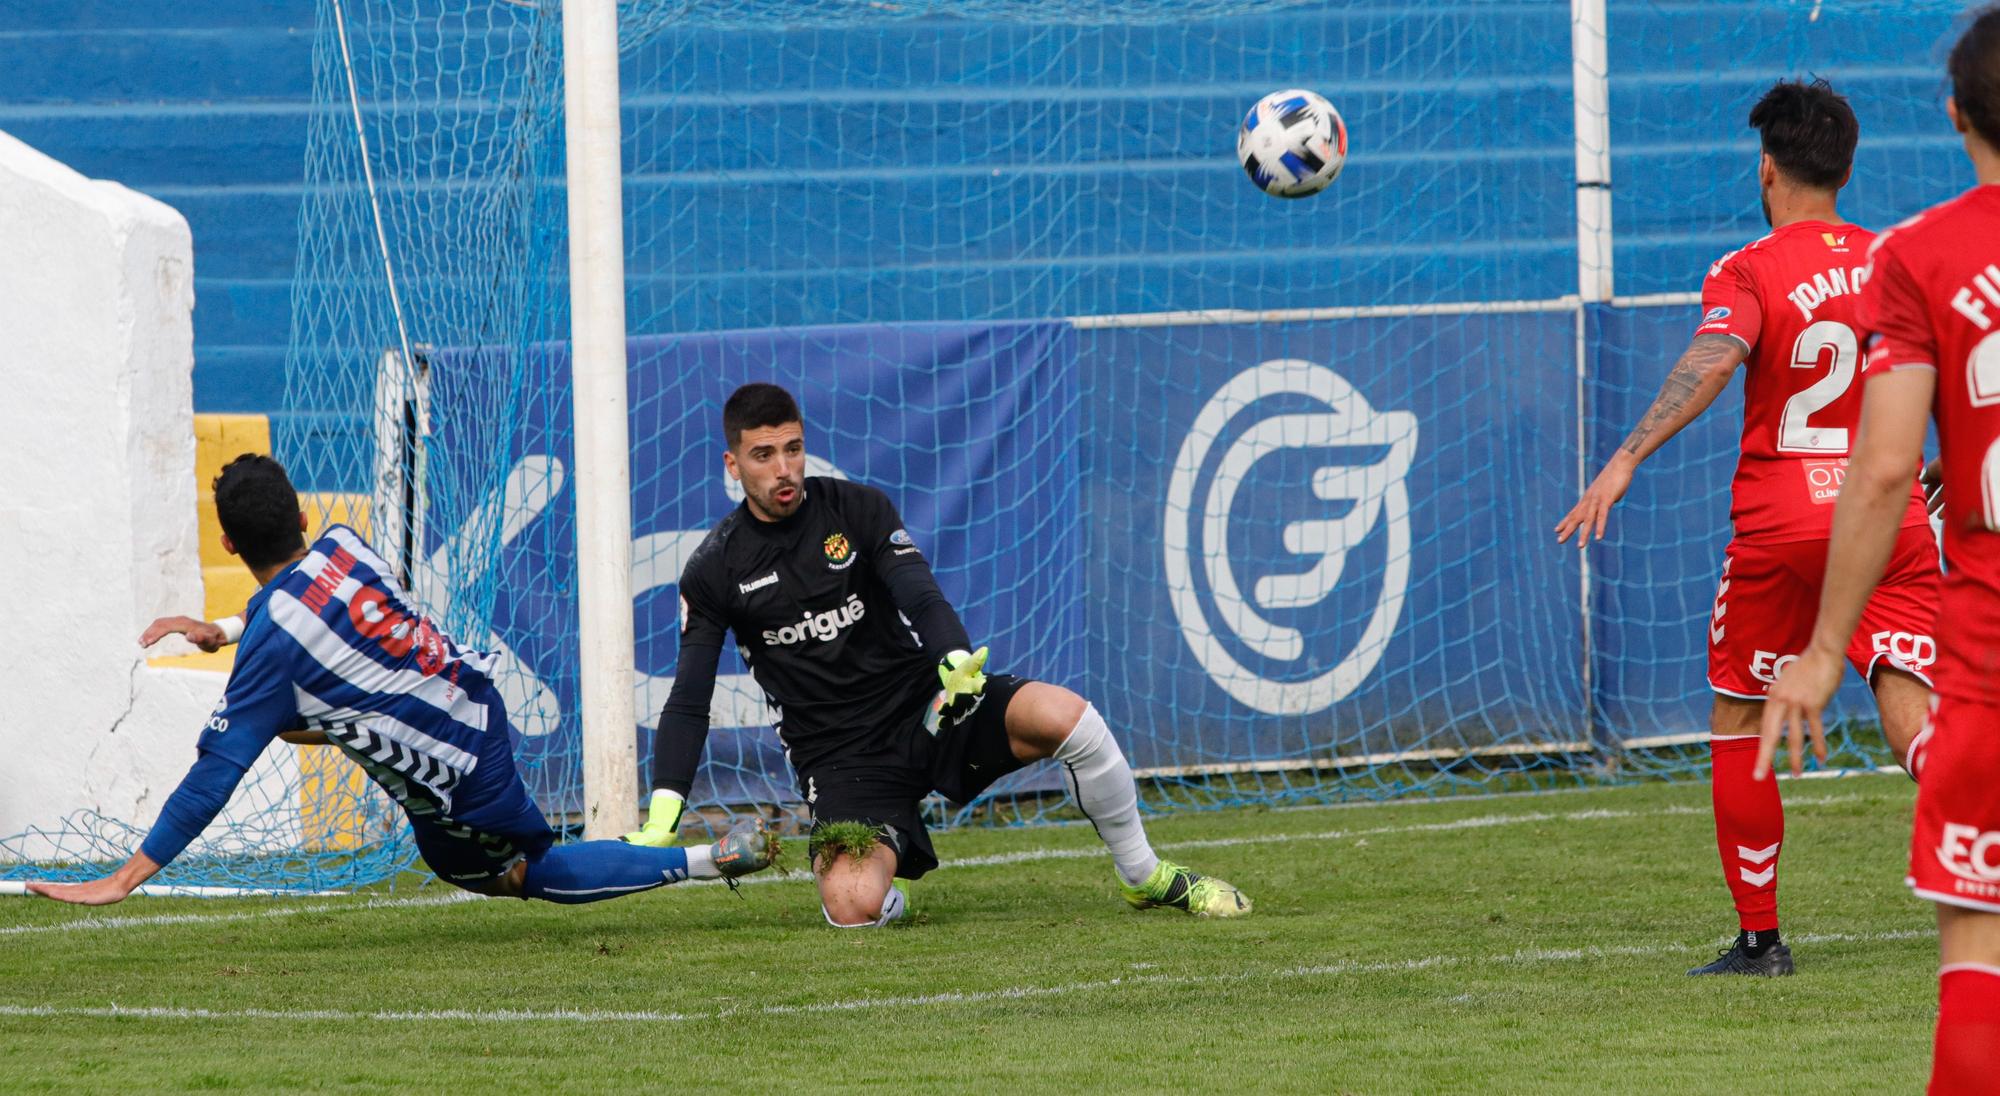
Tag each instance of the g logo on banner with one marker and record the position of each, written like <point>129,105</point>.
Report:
<point>1376,490</point>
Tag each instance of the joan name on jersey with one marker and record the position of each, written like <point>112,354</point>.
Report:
<point>822,626</point>
<point>1834,282</point>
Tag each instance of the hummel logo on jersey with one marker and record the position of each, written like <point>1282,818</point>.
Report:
<point>822,626</point>
<point>758,583</point>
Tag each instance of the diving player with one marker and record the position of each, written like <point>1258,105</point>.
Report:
<point>332,651</point>
<point>879,698</point>
<point>1784,304</point>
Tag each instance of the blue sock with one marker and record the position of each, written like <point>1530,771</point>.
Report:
<point>591,871</point>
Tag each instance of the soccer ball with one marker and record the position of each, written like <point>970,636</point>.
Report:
<point>1292,143</point>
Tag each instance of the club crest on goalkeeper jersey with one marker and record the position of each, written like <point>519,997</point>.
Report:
<point>333,644</point>
<point>1792,299</point>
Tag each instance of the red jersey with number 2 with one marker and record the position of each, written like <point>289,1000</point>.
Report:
<point>1933,302</point>
<point>1792,299</point>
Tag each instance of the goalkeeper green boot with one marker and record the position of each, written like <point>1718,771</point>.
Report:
<point>748,847</point>
<point>1174,886</point>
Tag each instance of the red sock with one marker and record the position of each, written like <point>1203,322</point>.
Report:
<point>1749,827</point>
<point>1966,1057</point>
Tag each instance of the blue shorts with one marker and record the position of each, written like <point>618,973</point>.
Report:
<point>464,856</point>
<point>491,825</point>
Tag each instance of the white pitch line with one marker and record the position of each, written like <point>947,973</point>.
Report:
<point>1338,968</point>
<point>1025,856</point>
<point>1544,793</point>
<point>1476,822</point>
<point>447,899</point>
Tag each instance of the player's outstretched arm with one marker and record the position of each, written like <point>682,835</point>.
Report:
<point>1866,521</point>
<point>679,740</point>
<point>209,635</point>
<point>1700,375</point>
<point>188,811</point>
<point>102,892</point>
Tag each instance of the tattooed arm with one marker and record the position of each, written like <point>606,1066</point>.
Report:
<point>1700,375</point>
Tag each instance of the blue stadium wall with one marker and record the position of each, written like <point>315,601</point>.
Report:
<point>200,104</point>
<point>204,103</point>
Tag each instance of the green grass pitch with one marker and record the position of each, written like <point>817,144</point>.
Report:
<point>1512,944</point>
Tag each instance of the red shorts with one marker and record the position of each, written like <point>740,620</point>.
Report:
<point>1769,597</point>
<point>1955,847</point>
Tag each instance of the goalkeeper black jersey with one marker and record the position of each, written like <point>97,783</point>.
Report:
<point>836,612</point>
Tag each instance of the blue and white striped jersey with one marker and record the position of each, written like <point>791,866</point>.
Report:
<point>333,644</point>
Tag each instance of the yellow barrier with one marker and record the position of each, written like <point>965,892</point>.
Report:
<point>331,789</point>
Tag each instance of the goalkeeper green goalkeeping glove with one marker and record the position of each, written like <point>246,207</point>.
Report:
<point>663,822</point>
<point>963,679</point>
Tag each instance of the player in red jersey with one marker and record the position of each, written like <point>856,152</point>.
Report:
<point>1931,313</point>
<point>1785,305</point>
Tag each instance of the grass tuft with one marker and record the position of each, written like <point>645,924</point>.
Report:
<point>832,839</point>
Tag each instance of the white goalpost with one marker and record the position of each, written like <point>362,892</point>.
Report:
<point>603,448</point>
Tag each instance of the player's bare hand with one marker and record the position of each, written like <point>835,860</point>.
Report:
<point>201,633</point>
<point>1933,481</point>
<point>1587,518</point>
<point>97,892</point>
<point>1793,708</point>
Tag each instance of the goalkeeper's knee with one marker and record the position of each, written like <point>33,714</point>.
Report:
<point>893,907</point>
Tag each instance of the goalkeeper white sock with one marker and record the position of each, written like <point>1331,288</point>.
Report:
<point>1100,781</point>
<point>701,862</point>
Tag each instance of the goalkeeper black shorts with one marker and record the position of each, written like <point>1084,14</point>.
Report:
<point>885,787</point>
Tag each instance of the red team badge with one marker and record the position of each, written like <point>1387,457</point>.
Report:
<point>1792,299</point>
<point>1933,302</point>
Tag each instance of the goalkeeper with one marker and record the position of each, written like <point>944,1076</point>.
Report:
<point>879,699</point>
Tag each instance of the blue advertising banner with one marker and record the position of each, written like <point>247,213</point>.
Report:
<point>1254,546</point>
<point>971,429</point>
<point>1326,540</point>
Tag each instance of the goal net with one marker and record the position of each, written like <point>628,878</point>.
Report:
<point>1271,482</point>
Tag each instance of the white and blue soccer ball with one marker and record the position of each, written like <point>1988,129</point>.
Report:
<point>1292,143</point>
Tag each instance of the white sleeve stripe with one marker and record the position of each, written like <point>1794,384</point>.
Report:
<point>612,890</point>
<point>332,652</point>
<point>389,727</point>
